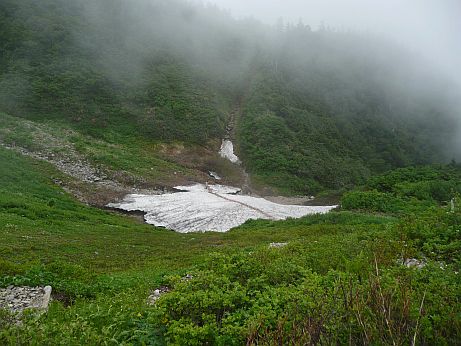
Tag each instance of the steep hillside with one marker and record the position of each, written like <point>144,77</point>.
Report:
<point>328,281</point>
<point>104,98</point>
<point>315,110</point>
<point>329,121</point>
<point>76,63</point>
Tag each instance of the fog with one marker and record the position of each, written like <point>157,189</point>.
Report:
<point>431,28</point>
<point>379,58</point>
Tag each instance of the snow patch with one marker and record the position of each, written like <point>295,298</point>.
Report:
<point>215,188</point>
<point>227,151</point>
<point>199,208</point>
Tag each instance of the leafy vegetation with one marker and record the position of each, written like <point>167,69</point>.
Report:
<point>315,109</point>
<point>314,125</point>
<point>69,69</point>
<point>406,190</point>
<point>146,91</point>
<point>340,278</point>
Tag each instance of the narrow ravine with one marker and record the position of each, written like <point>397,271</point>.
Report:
<point>227,147</point>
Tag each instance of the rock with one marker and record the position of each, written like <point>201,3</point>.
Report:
<point>156,294</point>
<point>412,263</point>
<point>46,297</point>
<point>152,299</point>
<point>277,245</point>
<point>17,299</point>
<point>188,277</point>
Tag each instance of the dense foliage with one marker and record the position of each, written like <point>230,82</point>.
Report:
<point>406,190</point>
<point>340,279</point>
<point>314,110</point>
<point>355,289</point>
<point>317,116</point>
<point>92,68</point>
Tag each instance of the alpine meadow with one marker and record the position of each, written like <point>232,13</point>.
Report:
<point>179,173</point>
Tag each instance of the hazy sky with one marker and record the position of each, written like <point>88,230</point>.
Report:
<point>432,27</point>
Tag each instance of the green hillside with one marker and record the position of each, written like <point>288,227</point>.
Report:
<point>329,284</point>
<point>315,110</point>
<point>102,98</point>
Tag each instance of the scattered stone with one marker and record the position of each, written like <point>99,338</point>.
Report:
<point>18,299</point>
<point>66,158</point>
<point>156,294</point>
<point>188,277</point>
<point>412,263</point>
<point>277,245</point>
<point>214,175</point>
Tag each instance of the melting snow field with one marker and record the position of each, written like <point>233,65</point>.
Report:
<point>227,151</point>
<point>209,208</point>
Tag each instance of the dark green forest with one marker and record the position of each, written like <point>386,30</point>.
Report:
<point>316,110</point>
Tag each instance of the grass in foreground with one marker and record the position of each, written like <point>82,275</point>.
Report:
<point>323,287</point>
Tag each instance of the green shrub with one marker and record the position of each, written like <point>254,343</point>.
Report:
<point>381,306</point>
<point>374,201</point>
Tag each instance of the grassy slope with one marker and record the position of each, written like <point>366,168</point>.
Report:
<point>129,159</point>
<point>32,208</point>
<point>49,238</point>
<point>104,264</point>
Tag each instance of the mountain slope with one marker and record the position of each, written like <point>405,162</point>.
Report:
<point>316,110</point>
<point>335,273</point>
<point>324,129</point>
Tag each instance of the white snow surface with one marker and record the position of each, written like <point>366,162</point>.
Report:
<point>203,208</point>
<point>227,151</point>
<point>215,188</point>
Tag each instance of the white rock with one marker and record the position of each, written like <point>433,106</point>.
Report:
<point>277,245</point>
<point>214,175</point>
<point>18,299</point>
<point>46,297</point>
<point>413,263</point>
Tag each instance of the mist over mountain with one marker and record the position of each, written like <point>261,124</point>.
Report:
<point>230,172</point>
<point>429,27</point>
<point>314,107</point>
